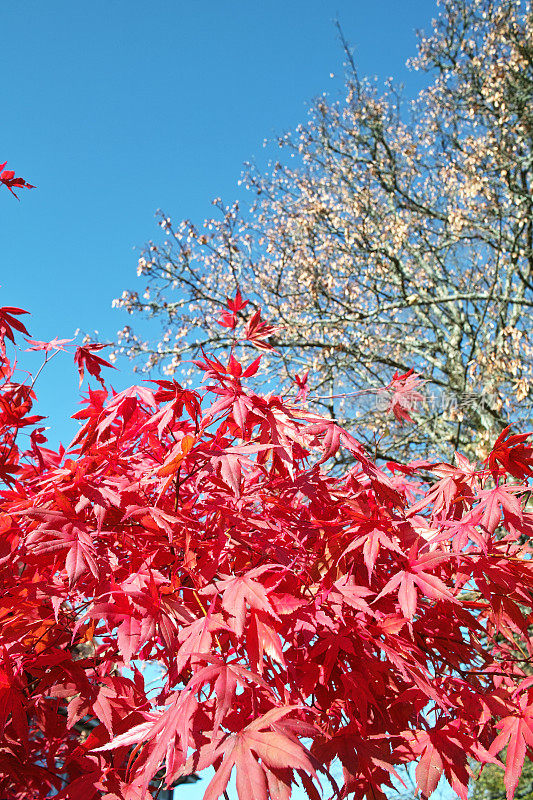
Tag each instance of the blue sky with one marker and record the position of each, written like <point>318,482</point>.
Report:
<point>116,108</point>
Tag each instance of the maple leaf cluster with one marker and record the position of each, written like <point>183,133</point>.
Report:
<point>256,331</point>
<point>300,618</point>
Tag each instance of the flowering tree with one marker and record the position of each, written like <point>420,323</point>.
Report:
<point>396,238</point>
<point>300,619</point>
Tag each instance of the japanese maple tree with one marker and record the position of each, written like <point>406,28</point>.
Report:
<point>301,618</point>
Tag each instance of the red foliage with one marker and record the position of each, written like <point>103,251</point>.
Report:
<point>9,324</point>
<point>7,177</point>
<point>514,453</point>
<point>229,318</point>
<point>298,616</point>
<point>258,332</point>
<point>403,395</point>
<point>84,357</point>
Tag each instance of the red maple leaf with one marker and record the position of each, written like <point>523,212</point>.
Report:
<point>9,323</point>
<point>303,387</point>
<point>516,732</point>
<point>7,177</point>
<point>237,304</point>
<point>257,331</point>
<point>84,357</point>
<point>238,592</point>
<point>255,753</point>
<point>513,454</point>
<point>416,576</point>
<point>403,394</point>
<point>229,320</point>
<point>54,345</point>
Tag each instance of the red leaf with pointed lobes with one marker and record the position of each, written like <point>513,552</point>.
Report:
<point>492,500</point>
<point>429,770</point>
<point>54,345</point>
<point>195,639</point>
<point>240,591</point>
<point>85,359</point>
<point>263,640</point>
<point>252,368</point>
<point>234,367</point>
<point>516,732</point>
<point>81,554</point>
<point>416,576</point>
<point>331,440</point>
<point>350,594</point>
<point>228,321</point>
<point>303,388</point>
<point>7,177</point>
<point>257,331</point>
<point>12,702</point>
<point>372,542</point>
<point>9,323</point>
<point>403,394</point>
<point>237,304</point>
<point>278,750</point>
<point>513,454</point>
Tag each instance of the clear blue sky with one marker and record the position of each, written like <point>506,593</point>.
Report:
<point>115,108</point>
